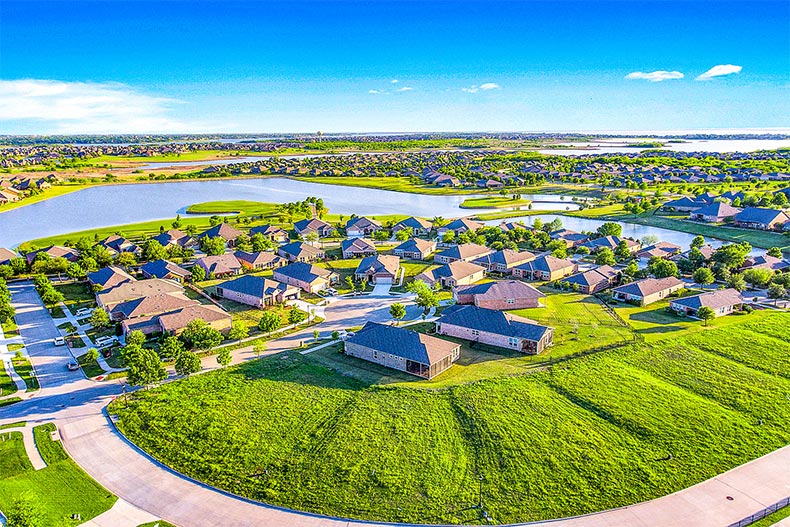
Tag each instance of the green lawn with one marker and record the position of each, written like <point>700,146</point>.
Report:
<point>91,368</point>
<point>60,490</point>
<point>25,370</point>
<point>324,434</point>
<point>7,386</point>
<point>493,202</point>
<point>77,296</point>
<point>397,184</point>
<point>13,457</point>
<point>9,328</point>
<point>773,519</point>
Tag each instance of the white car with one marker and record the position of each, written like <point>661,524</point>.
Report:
<point>59,341</point>
<point>103,342</point>
<point>331,291</point>
<point>73,366</point>
<point>84,312</point>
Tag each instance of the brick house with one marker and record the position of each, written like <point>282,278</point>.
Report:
<point>495,328</point>
<point>506,294</point>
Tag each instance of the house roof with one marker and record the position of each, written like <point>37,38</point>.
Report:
<point>414,223</point>
<point>257,258</point>
<point>493,321</point>
<point>713,299</point>
<point>310,225</point>
<point>760,215</point>
<point>500,290</point>
<point>405,343</point>
<point>152,305</point>
<point>766,261</point>
<point>608,241</point>
<point>300,249</point>
<point>175,320</point>
<point>381,263</point>
<point>465,251</point>
<point>505,257</point>
<point>362,223</point>
<point>256,286</point>
<point>137,289</point>
<point>685,202</point>
<point>108,277</point>
<point>718,209</point>
<point>7,255</point>
<point>162,268</point>
<point>661,249</point>
<point>648,286</point>
<point>546,263</point>
<point>304,272</point>
<point>173,236</point>
<point>357,245</point>
<point>457,270</point>
<point>593,276</point>
<point>463,224</point>
<point>223,230</point>
<point>221,263</point>
<point>267,230</point>
<point>416,245</point>
<point>509,226</point>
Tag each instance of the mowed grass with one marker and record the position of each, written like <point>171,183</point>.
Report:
<point>77,296</point>
<point>494,202</point>
<point>596,432</point>
<point>59,490</point>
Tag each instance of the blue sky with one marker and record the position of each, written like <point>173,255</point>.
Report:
<point>335,66</point>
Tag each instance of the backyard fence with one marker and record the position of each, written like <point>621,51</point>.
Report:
<point>757,516</point>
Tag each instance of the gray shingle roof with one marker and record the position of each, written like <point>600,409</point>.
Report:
<point>404,343</point>
<point>493,321</point>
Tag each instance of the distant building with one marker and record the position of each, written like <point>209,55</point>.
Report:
<point>453,274</point>
<point>415,249</point>
<point>462,253</point>
<point>504,294</point>
<point>722,302</point>
<point>361,227</point>
<point>309,278</point>
<point>165,270</point>
<point>357,248</point>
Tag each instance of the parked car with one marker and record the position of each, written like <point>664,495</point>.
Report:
<point>73,366</point>
<point>59,341</point>
<point>103,342</point>
<point>331,291</point>
<point>84,312</point>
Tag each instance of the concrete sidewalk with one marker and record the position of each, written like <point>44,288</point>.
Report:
<point>122,514</point>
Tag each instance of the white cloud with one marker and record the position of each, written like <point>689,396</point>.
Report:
<point>718,71</point>
<point>373,91</point>
<point>394,81</point>
<point>86,107</point>
<point>655,76</point>
<point>489,86</point>
<point>405,88</point>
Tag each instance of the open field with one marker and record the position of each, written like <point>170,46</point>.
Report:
<point>77,296</point>
<point>493,202</point>
<point>59,490</point>
<point>582,435</point>
<point>52,192</point>
<point>397,184</point>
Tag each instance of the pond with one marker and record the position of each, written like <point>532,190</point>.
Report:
<point>108,205</point>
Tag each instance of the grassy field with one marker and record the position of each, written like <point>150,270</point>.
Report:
<point>60,490</point>
<point>397,184</point>
<point>24,369</point>
<point>7,386</point>
<point>493,202</point>
<point>52,192</point>
<point>77,296</point>
<point>582,435</point>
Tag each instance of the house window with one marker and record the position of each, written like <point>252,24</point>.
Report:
<point>475,333</point>
<point>511,301</point>
<point>513,341</point>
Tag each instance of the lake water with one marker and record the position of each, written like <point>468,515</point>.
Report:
<point>693,145</point>
<point>630,230</point>
<point>103,206</point>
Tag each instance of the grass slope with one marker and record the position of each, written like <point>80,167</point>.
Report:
<point>588,434</point>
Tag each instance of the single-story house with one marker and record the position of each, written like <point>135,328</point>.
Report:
<point>453,274</point>
<point>772,263</point>
<point>415,249</point>
<point>594,280</point>
<point>459,226</point>
<point>305,227</point>
<point>274,233</point>
<point>175,237</point>
<point>309,278</point>
<point>220,266</point>
<point>714,213</point>
<point>684,204</point>
<point>380,269</point>
<point>165,270</point>
<point>571,238</point>
<point>610,242</point>
<point>224,231</point>
<point>54,251</point>
<point>503,261</point>
<point>402,349</point>
<point>495,328</point>
<point>118,244</point>
<point>150,305</point>
<point>357,248</point>
<point>418,226</point>
<point>109,277</point>
<point>259,260</point>
<point>174,322</point>
<point>505,294</point>
<point>508,226</point>
<point>547,267</point>
<point>257,291</point>
<point>300,252</point>
<point>465,252</point>
<point>6,255</point>
<point>722,302</point>
<point>648,290</point>
<point>660,249</point>
<point>762,219</point>
<point>361,226</point>
<point>132,289</point>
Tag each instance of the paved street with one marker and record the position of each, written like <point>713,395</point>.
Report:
<point>151,490</point>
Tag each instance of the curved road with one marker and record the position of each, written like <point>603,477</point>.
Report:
<point>76,405</point>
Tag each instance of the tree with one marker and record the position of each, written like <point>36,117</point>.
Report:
<point>153,250</point>
<point>296,316</point>
<point>397,311</point>
<point>661,268</point>
<point>736,281</point>
<point>631,269</point>
<point>349,279</point>
<point>605,256</point>
<point>426,297</point>
<point>212,246</point>
<point>259,348</point>
<point>99,318</point>
<point>404,234</point>
<point>776,252</point>
<point>779,200</point>
<point>75,271</point>
<point>224,357</point>
<point>239,331</point>
<point>269,322</point>
<point>622,251</point>
<point>703,276</point>
<point>697,242</point>
<point>145,367</point>
<point>135,338</point>
<point>177,224</point>
<point>260,242</point>
<point>51,296</point>
<point>198,334</point>
<point>732,255</point>
<point>92,355</point>
<point>187,363</point>
<point>776,291</point>
<point>198,273</point>
<point>757,277</point>
<point>649,239</point>
<point>381,235</point>
<point>610,228</point>
<point>26,512</point>
<point>705,314</point>
<point>126,259</point>
<point>243,243</point>
<point>171,347</point>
